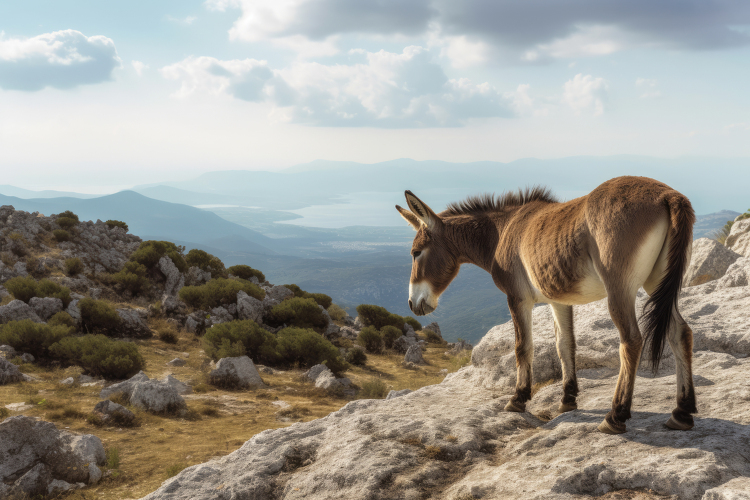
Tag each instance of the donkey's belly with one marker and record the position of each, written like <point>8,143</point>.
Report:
<point>587,288</point>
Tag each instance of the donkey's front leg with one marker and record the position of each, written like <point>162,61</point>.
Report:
<point>520,311</point>
<point>566,350</point>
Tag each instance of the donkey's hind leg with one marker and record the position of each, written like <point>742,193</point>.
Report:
<point>566,350</point>
<point>680,339</point>
<point>622,311</point>
<point>520,311</point>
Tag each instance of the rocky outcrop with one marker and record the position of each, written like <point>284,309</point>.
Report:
<point>157,397</point>
<point>195,276</point>
<point>323,378</point>
<point>181,387</point>
<point>435,328</point>
<point>414,355</point>
<point>9,373</point>
<point>709,261</point>
<point>46,307</point>
<point>35,458</point>
<point>220,315</point>
<point>239,372</point>
<point>125,387</point>
<point>175,279</point>
<point>133,323</point>
<point>17,310</point>
<point>738,239</point>
<point>109,411</point>
<point>249,307</point>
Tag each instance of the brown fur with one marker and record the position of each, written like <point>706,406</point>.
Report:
<point>628,232</point>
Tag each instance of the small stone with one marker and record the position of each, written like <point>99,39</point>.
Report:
<point>236,372</point>
<point>177,362</point>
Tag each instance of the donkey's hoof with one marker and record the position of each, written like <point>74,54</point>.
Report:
<point>608,428</point>
<point>515,407</point>
<point>567,407</point>
<point>679,426</point>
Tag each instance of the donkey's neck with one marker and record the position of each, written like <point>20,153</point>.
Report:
<point>474,239</point>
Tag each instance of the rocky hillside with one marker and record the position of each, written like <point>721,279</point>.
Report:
<point>454,441</point>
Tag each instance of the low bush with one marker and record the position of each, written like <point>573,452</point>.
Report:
<point>413,322</point>
<point>222,341</point>
<point>299,312</point>
<point>73,266</point>
<point>168,336</point>
<point>98,317</point>
<point>33,338</point>
<point>246,272</point>
<point>390,334</point>
<point>116,223</point>
<point>206,262</point>
<point>62,319</point>
<point>66,222</point>
<point>27,288</point>
<point>150,252</point>
<point>320,298</point>
<point>356,356</point>
<point>433,337</point>
<point>373,389</point>
<point>378,317</point>
<point>132,277</point>
<point>99,355</point>
<point>218,292</point>
<point>308,348</point>
<point>61,235</point>
<point>336,312</point>
<point>371,339</point>
<point>69,215</point>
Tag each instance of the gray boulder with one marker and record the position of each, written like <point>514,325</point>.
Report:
<point>171,305</point>
<point>177,362</point>
<point>111,411</point>
<point>348,332</point>
<point>738,239</point>
<point>313,373</point>
<point>133,323</point>
<point>398,394</point>
<point>196,276</point>
<point>220,315</point>
<point>46,307</point>
<point>249,307</point>
<point>197,322</point>
<point>7,352</point>
<point>18,310</point>
<point>73,310</point>
<point>175,279</point>
<point>9,372</point>
<point>26,357</point>
<point>181,387</point>
<point>125,387</point>
<point>278,293</point>
<point>358,324</point>
<point>709,261</point>
<point>332,331</point>
<point>403,343</point>
<point>414,355</point>
<point>237,372</point>
<point>323,378</point>
<point>157,397</point>
<point>34,482</point>
<point>435,328</point>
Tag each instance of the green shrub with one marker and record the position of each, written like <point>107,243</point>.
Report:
<point>33,338</point>
<point>73,266</point>
<point>302,313</point>
<point>433,337</point>
<point>70,215</point>
<point>390,334</point>
<point>117,223</point>
<point>113,455</point>
<point>307,348</point>
<point>132,277</point>
<point>151,251</point>
<point>379,316</point>
<point>4,412</point>
<point>217,292</point>
<point>168,336</point>
<point>27,288</point>
<point>221,341</point>
<point>321,298</point>
<point>373,389</point>
<point>356,356</point>
<point>66,222</point>
<point>246,272</point>
<point>98,317</point>
<point>100,356</point>
<point>370,339</point>
<point>61,235</point>
<point>206,262</point>
<point>336,312</point>
<point>62,319</point>
<point>413,322</point>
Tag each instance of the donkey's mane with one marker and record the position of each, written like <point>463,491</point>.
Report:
<point>487,202</point>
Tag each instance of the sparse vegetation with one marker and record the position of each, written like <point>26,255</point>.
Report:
<point>379,317</point>
<point>151,251</point>
<point>373,389</point>
<point>175,469</point>
<point>299,312</point>
<point>390,334</point>
<point>132,277</point>
<point>98,317</point>
<point>73,266</point>
<point>33,338</point>
<point>245,272</point>
<point>336,312</point>
<point>320,298</point>
<point>116,223</point>
<point>206,262</point>
<point>237,338</point>
<point>62,319</point>
<point>217,292</point>
<point>27,288</point>
<point>307,348</point>
<point>356,357</point>
<point>433,337</point>
<point>371,339</point>
<point>99,355</point>
<point>67,219</point>
<point>61,235</point>
<point>113,457</point>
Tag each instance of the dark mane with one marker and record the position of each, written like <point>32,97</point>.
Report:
<point>490,203</point>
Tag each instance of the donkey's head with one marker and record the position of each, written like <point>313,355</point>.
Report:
<point>434,264</point>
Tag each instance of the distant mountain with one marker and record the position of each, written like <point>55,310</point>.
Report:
<point>153,219</point>
<point>26,193</point>
<point>706,225</point>
<point>185,197</point>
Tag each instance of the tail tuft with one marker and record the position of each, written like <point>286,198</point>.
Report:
<point>660,306</point>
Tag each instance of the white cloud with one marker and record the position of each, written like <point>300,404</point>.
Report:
<point>648,87</point>
<point>186,21</point>
<point>62,59</point>
<point>584,93</point>
<point>390,90</point>
<point>139,67</point>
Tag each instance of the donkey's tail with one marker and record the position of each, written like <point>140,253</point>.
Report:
<point>659,308</point>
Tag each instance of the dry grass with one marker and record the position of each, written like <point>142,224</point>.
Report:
<point>218,421</point>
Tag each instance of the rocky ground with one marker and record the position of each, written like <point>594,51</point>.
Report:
<point>454,441</point>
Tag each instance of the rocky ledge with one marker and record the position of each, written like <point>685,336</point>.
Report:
<point>454,441</point>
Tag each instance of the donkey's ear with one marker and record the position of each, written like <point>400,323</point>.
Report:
<point>409,217</point>
<point>422,211</point>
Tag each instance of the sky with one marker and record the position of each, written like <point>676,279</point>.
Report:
<point>99,94</point>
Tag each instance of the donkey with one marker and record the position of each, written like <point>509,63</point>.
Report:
<point>629,232</point>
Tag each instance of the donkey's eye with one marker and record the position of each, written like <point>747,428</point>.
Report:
<point>416,254</point>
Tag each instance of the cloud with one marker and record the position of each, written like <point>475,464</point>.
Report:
<point>388,90</point>
<point>584,93</point>
<point>185,21</point>
<point>62,59</point>
<point>530,31</point>
<point>139,67</point>
<point>648,87</point>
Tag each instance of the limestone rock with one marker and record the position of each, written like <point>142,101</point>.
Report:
<point>196,276</point>
<point>249,307</point>
<point>398,394</point>
<point>358,324</point>
<point>17,310</point>
<point>175,279</point>
<point>73,310</point>
<point>414,355</point>
<point>220,315</point>
<point>9,372</point>
<point>179,386</point>
<point>125,387</point>
<point>738,239</point>
<point>435,328</point>
<point>348,332</point>
<point>237,372</point>
<point>458,347</point>
<point>403,343</point>
<point>278,293</point>
<point>34,482</point>
<point>46,307</point>
<point>709,261</point>
<point>133,323</point>
<point>156,397</point>
<point>332,331</point>
<point>197,322</point>
<point>67,381</point>
<point>26,357</point>
<point>324,378</point>
<point>171,306</point>
<point>109,410</point>
<point>313,373</point>
<point>177,362</point>
<point>738,274</point>
<point>7,352</point>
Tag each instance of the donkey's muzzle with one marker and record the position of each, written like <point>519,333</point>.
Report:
<point>422,308</point>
